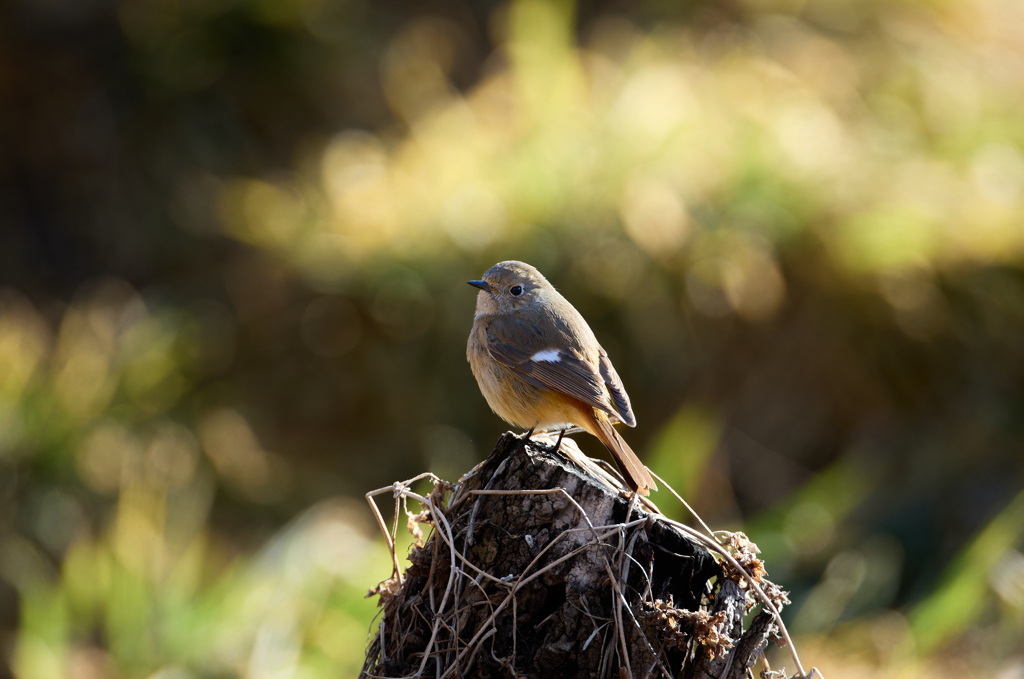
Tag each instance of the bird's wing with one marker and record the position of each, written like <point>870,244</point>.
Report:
<point>519,345</point>
<point>618,392</point>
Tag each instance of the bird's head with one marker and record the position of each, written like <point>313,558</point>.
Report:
<point>508,287</point>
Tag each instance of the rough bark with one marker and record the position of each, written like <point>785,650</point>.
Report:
<point>678,613</point>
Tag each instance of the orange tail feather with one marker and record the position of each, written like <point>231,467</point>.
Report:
<point>633,471</point>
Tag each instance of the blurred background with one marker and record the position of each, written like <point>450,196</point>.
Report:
<point>235,240</point>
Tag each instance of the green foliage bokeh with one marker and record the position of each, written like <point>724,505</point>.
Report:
<point>236,239</point>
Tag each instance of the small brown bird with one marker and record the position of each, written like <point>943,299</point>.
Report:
<point>539,365</point>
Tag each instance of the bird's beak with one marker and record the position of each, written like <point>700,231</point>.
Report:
<point>480,284</point>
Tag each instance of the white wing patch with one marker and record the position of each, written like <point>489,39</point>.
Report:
<point>547,355</point>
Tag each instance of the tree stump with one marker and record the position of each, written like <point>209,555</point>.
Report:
<point>559,583</point>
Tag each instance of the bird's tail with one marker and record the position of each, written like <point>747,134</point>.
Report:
<point>633,471</point>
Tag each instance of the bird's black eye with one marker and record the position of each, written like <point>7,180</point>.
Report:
<point>516,290</point>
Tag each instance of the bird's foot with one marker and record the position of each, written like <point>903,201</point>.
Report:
<point>524,440</point>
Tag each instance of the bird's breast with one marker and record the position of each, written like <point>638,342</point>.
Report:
<point>510,396</point>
